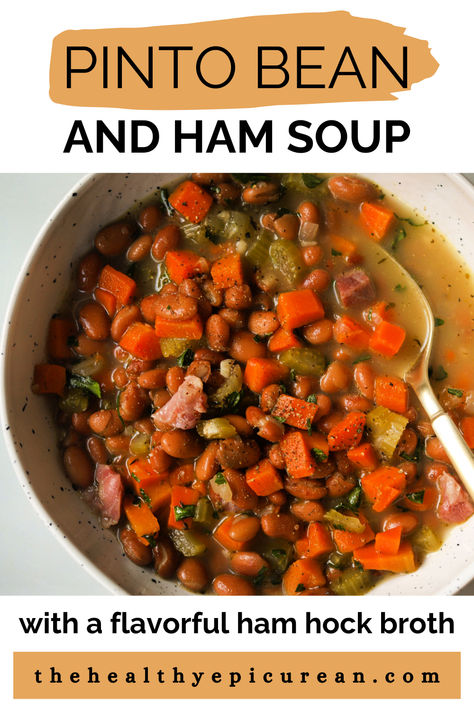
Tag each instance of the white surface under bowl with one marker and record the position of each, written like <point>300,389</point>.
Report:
<point>447,200</point>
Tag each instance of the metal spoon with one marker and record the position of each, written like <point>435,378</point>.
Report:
<point>411,364</point>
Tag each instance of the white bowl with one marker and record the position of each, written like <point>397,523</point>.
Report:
<point>448,200</point>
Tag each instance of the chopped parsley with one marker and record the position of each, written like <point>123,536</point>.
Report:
<point>312,398</point>
<point>145,497</point>
<point>400,235</point>
<point>184,511</point>
<point>300,587</point>
<point>455,392</point>
<point>399,287</point>
<point>440,373</point>
<point>152,538</point>
<point>353,497</point>
<point>220,478</point>
<point>166,203</point>
<point>72,341</point>
<point>84,382</point>
<point>416,496</point>
<point>336,253</point>
<point>410,221</point>
<point>293,374</point>
<point>232,400</point>
<point>438,321</point>
<point>309,425</point>
<point>311,180</point>
<point>279,419</point>
<point>319,455</point>
<point>186,358</point>
<point>260,577</point>
<point>278,553</point>
<point>252,178</point>
<point>361,359</point>
<point>259,339</point>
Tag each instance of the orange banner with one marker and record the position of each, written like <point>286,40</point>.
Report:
<point>237,675</point>
<point>244,62</point>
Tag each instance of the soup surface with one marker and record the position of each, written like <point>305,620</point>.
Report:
<point>226,379</point>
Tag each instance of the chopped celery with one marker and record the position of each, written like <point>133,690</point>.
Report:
<point>89,366</point>
<point>173,347</point>
<point>195,233</point>
<point>221,487</point>
<point>286,263</point>
<point>75,400</point>
<point>345,523</point>
<point>353,581</point>
<point>140,444</point>
<point>204,514</point>
<point>236,225</point>
<point>232,372</point>
<point>304,361</point>
<point>425,540</point>
<point>385,429</point>
<point>278,553</point>
<point>162,276</point>
<point>339,560</point>
<point>258,252</point>
<point>188,542</point>
<point>217,428</point>
<point>305,182</point>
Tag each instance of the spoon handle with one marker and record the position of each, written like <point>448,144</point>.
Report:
<point>449,436</point>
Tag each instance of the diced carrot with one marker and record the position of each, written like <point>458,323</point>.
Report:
<point>467,429</point>
<point>343,246</point>
<point>221,534</point>
<point>363,456</point>
<point>107,300</point>
<point>348,541</point>
<point>348,432</point>
<point>184,264</point>
<point>350,333</point>
<point>392,393</point>
<point>152,487</point>
<point>376,219</point>
<point>428,494</point>
<point>182,496</point>
<point>263,478</point>
<point>118,283</point>
<point>191,201</point>
<point>295,412</point>
<point>191,328</point>
<point>283,340</point>
<point>388,542</point>
<point>297,455</point>
<point>303,574</point>
<point>387,339</point>
<point>402,562</point>
<point>141,341</point>
<point>377,313</point>
<point>141,518</point>
<point>316,542</point>
<point>383,486</point>
<point>49,379</point>
<point>228,271</point>
<point>260,372</point>
<point>298,308</point>
<point>317,441</point>
<point>61,331</point>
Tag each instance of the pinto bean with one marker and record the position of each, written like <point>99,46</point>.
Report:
<point>432,470</point>
<point>364,379</point>
<point>210,178</point>
<point>79,466</point>
<point>165,558</point>
<point>145,425</point>
<point>189,287</point>
<point>263,323</point>
<point>234,453</point>
<point>325,424</point>
<point>148,307</point>
<point>350,189</point>
<point>204,308</point>
<point>105,423</point>
<point>287,226</point>
<point>87,347</point>
<point>343,463</point>
<point>207,465</point>
<point>134,549</point>
<point>235,319</point>
<point>201,369</point>
<point>308,212</point>
<point>123,319</point>
<point>242,495</point>
<point>240,424</point>
<point>175,307</point>
<point>324,404</point>
<point>238,297</point>
<point>318,280</point>
<point>303,385</point>
<point>181,444</point>
<point>408,522</point>
<point>337,377</point>
<point>269,397</point>
<point>281,525</point>
<point>312,254</point>
<point>308,510</point>
<point>248,563</point>
<point>311,489</point>
<point>408,443</point>
<point>217,333</point>
<point>120,377</point>
<point>275,455</point>
<point>94,321</point>
<point>214,295</point>
<point>228,584</point>
<point>152,379</point>
<point>166,240</point>
<point>206,354</point>
<point>160,398</point>
<point>278,499</point>
<point>226,193</point>
<point>132,401</point>
<point>150,218</point>
<point>118,444</point>
<point>435,450</point>
<point>410,469</point>
<point>243,346</point>
<point>174,378</point>
<point>140,248</point>
<point>267,427</point>
<point>339,485</point>
<point>114,239</point>
<point>136,366</point>
<point>355,403</point>
<point>193,575</point>
<point>159,459</point>
<point>318,332</point>
<point>261,193</point>
<point>97,450</point>
<point>182,476</point>
<point>79,420</point>
<point>88,271</point>
<point>244,528</point>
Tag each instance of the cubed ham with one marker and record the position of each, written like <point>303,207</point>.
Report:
<point>184,409</point>
<point>105,496</point>
<point>354,288</point>
<point>454,504</point>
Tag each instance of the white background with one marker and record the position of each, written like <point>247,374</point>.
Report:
<point>34,130</point>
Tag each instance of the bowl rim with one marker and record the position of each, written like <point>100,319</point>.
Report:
<point>84,562</point>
